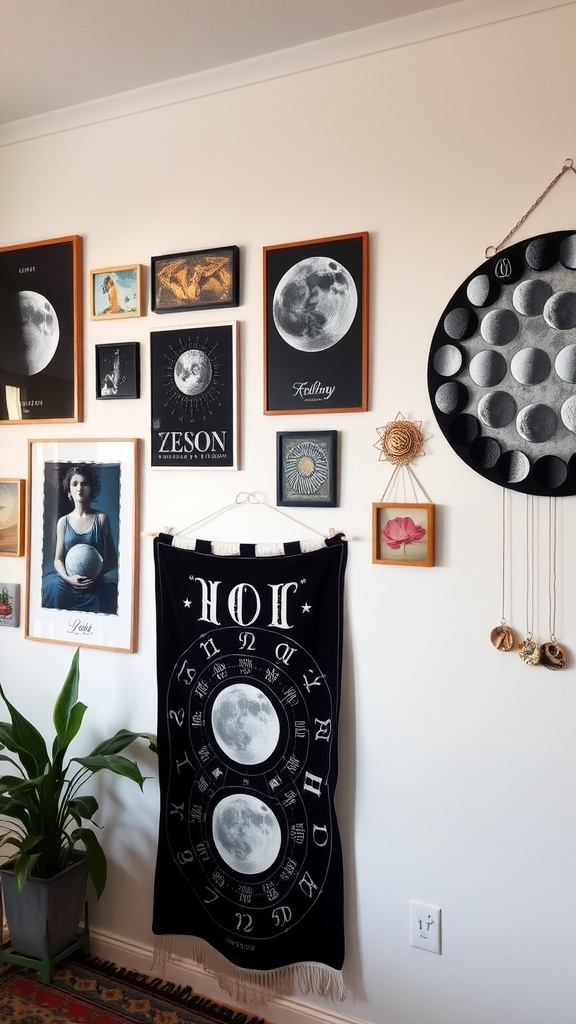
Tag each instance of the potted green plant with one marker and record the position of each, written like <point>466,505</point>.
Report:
<point>47,817</point>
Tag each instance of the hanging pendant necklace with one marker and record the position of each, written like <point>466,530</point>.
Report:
<point>553,655</point>
<point>502,637</point>
<point>529,650</point>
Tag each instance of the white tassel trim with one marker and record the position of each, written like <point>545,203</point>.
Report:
<point>264,550</point>
<point>252,986</point>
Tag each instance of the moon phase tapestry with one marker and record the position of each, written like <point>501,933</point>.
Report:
<point>249,867</point>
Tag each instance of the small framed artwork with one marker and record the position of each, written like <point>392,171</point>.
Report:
<point>117,292</point>
<point>82,543</point>
<point>306,462</point>
<point>202,279</point>
<point>402,534</point>
<point>9,604</point>
<point>12,516</point>
<point>316,325</point>
<point>118,370</point>
<point>41,331</point>
<point>195,397</point>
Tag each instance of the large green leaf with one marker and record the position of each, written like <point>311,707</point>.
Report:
<point>120,740</point>
<point>23,739</point>
<point>67,698</point>
<point>95,858</point>
<point>82,807</point>
<point>112,763</point>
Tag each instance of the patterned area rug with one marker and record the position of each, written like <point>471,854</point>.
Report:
<point>89,991</point>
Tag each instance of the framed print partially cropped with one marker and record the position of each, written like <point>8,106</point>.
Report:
<point>195,397</point>
<point>117,292</point>
<point>118,370</point>
<point>402,533</point>
<point>41,331</point>
<point>12,516</point>
<point>82,543</point>
<point>9,605</point>
<point>202,279</point>
<point>306,468</point>
<point>316,325</point>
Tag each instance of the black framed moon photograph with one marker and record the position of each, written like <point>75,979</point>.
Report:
<point>316,325</point>
<point>195,397</point>
<point>41,331</point>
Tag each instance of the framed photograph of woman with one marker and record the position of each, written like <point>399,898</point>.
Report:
<point>41,331</point>
<point>316,325</point>
<point>117,292</point>
<point>82,543</point>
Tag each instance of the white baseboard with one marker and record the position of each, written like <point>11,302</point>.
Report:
<point>283,1010</point>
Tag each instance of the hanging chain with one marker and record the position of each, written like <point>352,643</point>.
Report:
<point>552,549</point>
<point>568,165</point>
<point>530,565</point>
<point>503,619</point>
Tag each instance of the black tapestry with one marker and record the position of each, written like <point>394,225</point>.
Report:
<point>249,864</point>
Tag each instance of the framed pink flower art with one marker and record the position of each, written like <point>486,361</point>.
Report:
<point>402,534</point>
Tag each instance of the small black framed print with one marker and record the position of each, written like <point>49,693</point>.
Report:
<point>118,370</point>
<point>306,468</point>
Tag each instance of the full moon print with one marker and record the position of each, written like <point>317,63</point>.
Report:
<point>192,378</point>
<point>315,303</point>
<point>245,723</point>
<point>35,332</point>
<point>192,372</point>
<point>246,833</point>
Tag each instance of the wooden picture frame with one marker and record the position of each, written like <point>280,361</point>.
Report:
<point>118,370</point>
<point>316,325</point>
<point>402,533</point>
<point>92,600</point>
<point>117,292</point>
<point>306,468</point>
<point>194,388</point>
<point>9,605</point>
<point>41,331</point>
<point>12,516</point>
<point>200,279</point>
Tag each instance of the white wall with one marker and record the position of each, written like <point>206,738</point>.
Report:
<point>458,763</point>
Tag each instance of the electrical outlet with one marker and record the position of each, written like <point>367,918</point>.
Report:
<point>425,927</point>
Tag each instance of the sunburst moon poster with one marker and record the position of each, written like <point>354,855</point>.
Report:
<point>194,397</point>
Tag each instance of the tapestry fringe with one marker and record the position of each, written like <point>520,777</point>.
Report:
<point>249,985</point>
<point>262,550</point>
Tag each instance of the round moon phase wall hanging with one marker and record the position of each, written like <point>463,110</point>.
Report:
<point>502,367</point>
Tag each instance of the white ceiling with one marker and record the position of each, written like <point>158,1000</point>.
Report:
<point>58,53</point>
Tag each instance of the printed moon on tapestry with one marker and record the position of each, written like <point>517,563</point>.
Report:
<point>249,651</point>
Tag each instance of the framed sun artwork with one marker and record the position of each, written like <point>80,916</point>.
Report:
<point>306,465</point>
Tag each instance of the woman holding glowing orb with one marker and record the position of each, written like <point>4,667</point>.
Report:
<point>85,550</point>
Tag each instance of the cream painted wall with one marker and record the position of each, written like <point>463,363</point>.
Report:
<point>458,764</point>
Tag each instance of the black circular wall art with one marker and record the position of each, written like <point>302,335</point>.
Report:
<point>502,367</point>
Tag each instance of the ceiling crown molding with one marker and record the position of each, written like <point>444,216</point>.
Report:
<point>454,17</point>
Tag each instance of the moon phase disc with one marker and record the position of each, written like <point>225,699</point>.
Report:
<point>502,367</point>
